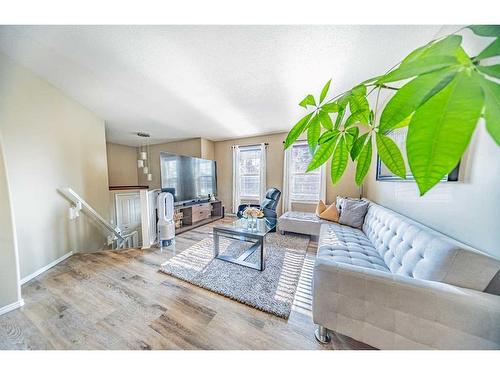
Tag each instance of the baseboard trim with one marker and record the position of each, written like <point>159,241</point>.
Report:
<point>12,306</point>
<point>24,280</point>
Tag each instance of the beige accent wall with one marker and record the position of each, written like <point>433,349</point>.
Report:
<point>274,175</point>
<point>468,210</point>
<point>50,141</point>
<point>207,149</point>
<point>10,291</point>
<point>190,147</point>
<point>122,165</point>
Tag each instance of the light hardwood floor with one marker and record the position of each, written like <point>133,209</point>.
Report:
<point>119,300</point>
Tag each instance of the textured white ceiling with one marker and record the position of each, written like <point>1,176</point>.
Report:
<point>216,82</point>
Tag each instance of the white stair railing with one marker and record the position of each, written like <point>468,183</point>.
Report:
<point>79,204</point>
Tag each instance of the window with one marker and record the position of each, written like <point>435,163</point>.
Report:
<point>205,176</point>
<point>249,173</point>
<point>302,187</point>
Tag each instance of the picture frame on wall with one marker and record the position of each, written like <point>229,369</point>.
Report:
<point>384,174</point>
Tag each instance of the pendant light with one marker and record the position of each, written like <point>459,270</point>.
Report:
<point>143,160</point>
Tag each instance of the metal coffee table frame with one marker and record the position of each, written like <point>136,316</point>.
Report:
<point>256,238</point>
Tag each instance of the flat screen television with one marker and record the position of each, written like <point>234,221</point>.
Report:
<point>187,178</point>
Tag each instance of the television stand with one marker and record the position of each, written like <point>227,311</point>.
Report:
<point>198,214</point>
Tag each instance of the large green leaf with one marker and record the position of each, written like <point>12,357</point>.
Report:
<point>327,136</point>
<point>324,91</point>
<point>412,95</point>
<point>390,155</point>
<point>360,117</point>
<point>358,103</point>
<point>330,107</point>
<point>490,70</point>
<point>351,135</point>
<point>339,160</point>
<point>308,100</point>
<point>313,133</point>
<point>364,162</point>
<point>339,118</point>
<point>322,154</point>
<point>359,90</point>
<point>492,108</point>
<point>358,146</point>
<point>491,51</point>
<point>421,66</point>
<point>445,47</point>
<point>485,30</point>
<point>297,130</point>
<point>434,56</point>
<point>441,129</point>
<point>325,120</point>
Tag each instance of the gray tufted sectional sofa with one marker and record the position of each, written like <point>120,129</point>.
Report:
<point>396,284</point>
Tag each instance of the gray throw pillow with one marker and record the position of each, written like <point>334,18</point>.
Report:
<point>353,212</point>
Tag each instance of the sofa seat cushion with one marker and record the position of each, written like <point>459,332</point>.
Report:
<point>343,244</point>
<point>300,222</point>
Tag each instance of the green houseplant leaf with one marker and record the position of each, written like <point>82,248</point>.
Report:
<point>425,65</point>
<point>426,59</point>
<point>391,155</point>
<point>324,91</point>
<point>358,146</point>
<point>492,50</point>
<point>445,47</point>
<point>412,95</point>
<point>364,162</point>
<point>339,160</point>
<point>327,136</point>
<point>297,130</point>
<point>330,107</point>
<point>441,129</point>
<point>308,100</point>
<point>339,118</point>
<point>313,133</point>
<point>325,120</point>
<point>486,30</point>
<point>322,154</point>
<point>490,70</point>
<point>492,108</point>
<point>446,93</point>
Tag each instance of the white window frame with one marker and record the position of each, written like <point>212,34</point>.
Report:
<point>287,178</point>
<point>237,198</point>
<point>258,174</point>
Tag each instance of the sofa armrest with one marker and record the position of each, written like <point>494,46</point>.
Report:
<point>393,311</point>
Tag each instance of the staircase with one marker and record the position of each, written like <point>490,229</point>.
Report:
<point>116,239</point>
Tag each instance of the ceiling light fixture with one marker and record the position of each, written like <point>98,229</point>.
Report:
<point>143,160</point>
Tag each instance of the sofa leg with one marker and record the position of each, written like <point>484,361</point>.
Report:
<point>322,335</point>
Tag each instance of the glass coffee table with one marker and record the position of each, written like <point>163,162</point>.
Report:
<point>240,230</point>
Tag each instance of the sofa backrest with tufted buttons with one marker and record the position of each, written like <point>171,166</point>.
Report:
<point>411,249</point>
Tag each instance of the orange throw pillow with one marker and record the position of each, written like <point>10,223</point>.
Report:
<point>320,208</point>
<point>331,213</point>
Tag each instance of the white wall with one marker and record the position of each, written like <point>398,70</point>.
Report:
<point>468,210</point>
<point>50,141</point>
<point>10,291</point>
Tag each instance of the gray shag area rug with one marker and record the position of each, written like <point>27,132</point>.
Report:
<point>271,290</point>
